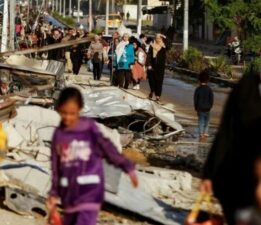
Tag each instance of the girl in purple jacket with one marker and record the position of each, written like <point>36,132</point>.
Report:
<point>78,148</point>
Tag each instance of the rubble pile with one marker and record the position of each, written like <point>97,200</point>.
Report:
<point>143,130</point>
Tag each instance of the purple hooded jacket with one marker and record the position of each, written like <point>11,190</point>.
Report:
<point>77,169</point>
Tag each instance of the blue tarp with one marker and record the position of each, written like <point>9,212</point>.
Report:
<point>55,22</point>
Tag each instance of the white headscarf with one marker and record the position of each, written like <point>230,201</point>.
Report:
<point>120,48</point>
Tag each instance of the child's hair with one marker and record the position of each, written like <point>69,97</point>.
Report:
<point>203,77</point>
<point>70,93</point>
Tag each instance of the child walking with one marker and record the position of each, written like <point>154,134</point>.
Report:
<point>78,148</point>
<point>203,102</point>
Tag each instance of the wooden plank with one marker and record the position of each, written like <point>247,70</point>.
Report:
<point>46,48</point>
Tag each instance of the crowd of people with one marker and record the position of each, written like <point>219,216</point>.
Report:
<point>129,59</point>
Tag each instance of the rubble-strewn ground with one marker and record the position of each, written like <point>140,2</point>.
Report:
<point>105,218</point>
<point>185,154</point>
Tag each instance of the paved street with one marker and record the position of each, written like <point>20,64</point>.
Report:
<point>179,91</point>
<point>180,94</point>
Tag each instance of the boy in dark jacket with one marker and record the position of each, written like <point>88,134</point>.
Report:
<point>203,102</point>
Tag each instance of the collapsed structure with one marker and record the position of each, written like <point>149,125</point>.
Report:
<point>25,172</point>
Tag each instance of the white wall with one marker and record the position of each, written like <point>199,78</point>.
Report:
<point>132,9</point>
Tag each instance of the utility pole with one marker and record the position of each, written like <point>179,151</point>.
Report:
<point>112,6</point>
<point>12,25</point>
<point>64,4</point>
<point>60,7</point>
<point>56,5</point>
<point>78,14</point>
<point>90,15</point>
<point>139,19</point>
<point>107,17</point>
<point>186,25</point>
<point>28,11</point>
<point>70,7</point>
<point>4,27</point>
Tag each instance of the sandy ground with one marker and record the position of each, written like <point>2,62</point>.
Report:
<point>10,218</point>
<point>105,218</point>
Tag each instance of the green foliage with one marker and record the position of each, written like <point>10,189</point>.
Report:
<point>174,55</point>
<point>243,15</point>
<point>193,59</point>
<point>253,44</point>
<point>254,67</point>
<point>220,65</point>
<point>217,63</point>
<point>97,30</point>
<point>69,21</point>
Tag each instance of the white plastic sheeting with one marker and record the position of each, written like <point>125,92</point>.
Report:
<point>107,102</point>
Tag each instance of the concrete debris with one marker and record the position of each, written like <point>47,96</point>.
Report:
<point>7,109</point>
<point>124,110</point>
<point>11,218</point>
<point>139,125</point>
<point>142,203</point>
<point>28,77</point>
<point>28,157</point>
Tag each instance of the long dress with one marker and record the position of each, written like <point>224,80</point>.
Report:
<point>156,74</point>
<point>230,164</point>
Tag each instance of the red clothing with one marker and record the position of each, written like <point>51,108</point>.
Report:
<point>138,69</point>
<point>18,28</point>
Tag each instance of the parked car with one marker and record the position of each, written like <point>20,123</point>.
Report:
<point>114,21</point>
<point>75,13</point>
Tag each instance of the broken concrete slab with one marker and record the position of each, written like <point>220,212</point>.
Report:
<point>47,67</point>
<point>37,77</point>
<point>25,194</point>
<point>119,103</point>
<point>11,218</point>
<point>142,203</point>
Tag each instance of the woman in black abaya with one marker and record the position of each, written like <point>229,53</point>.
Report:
<point>229,169</point>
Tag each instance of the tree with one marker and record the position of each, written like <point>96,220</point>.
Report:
<point>244,16</point>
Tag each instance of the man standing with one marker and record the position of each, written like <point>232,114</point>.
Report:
<point>128,16</point>
<point>55,54</point>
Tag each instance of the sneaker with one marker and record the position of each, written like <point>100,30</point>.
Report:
<point>134,87</point>
<point>137,87</point>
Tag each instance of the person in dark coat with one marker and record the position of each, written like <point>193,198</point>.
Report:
<point>203,102</point>
<point>229,169</point>
<point>55,54</point>
<point>76,57</point>
<point>156,66</point>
